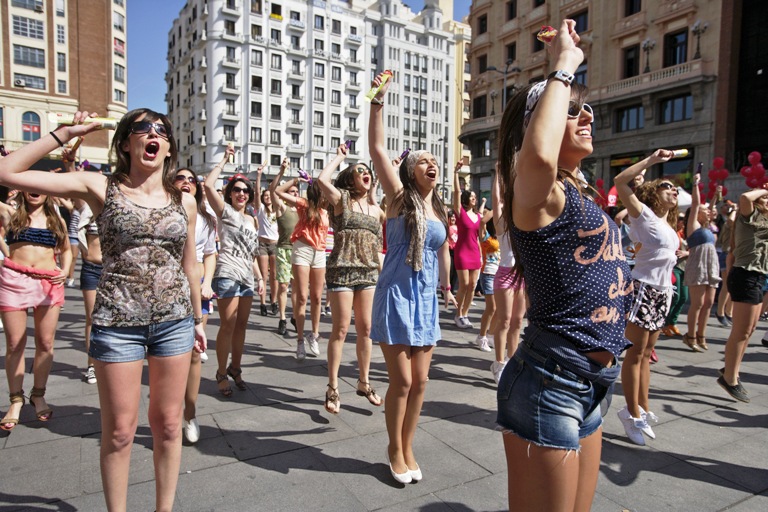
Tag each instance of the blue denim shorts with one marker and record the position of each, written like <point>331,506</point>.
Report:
<point>542,402</point>
<point>90,275</point>
<point>486,283</point>
<point>226,288</point>
<point>355,288</point>
<point>126,344</point>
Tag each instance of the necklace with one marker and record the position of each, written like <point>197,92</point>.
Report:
<point>368,207</point>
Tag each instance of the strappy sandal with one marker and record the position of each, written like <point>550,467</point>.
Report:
<point>227,392</point>
<point>46,414</point>
<point>701,341</point>
<point>369,393</point>
<point>236,374</point>
<point>332,404</point>
<point>16,398</point>
<point>691,342</point>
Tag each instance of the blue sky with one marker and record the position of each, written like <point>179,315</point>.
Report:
<point>148,24</point>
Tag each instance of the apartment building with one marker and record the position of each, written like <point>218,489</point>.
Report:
<point>47,67</point>
<point>288,78</point>
<point>651,66</point>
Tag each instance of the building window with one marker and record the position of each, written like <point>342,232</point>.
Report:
<point>229,27</point>
<point>60,34</point>
<point>317,141</point>
<point>319,22</point>
<point>511,51</point>
<point>336,74</point>
<point>274,137</point>
<point>537,45</point>
<point>511,10</point>
<point>61,62</point>
<point>27,27</point>
<point>276,87</point>
<point>30,126</point>
<point>26,56</point>
<point>335,49</point>
<point>632,7</point>
<point>230,81</point>
<point>319,45</point>
<point>119,73</point>
<point>482,63</point>
<point>482,24</point>
<point>229,132</point>
<point>257,58</point>
<point>119,2</point>
<point>256,109</point>
<point>580,76</point>
<point>677,109</point>
<point>319,94</point>
<point>319,70</point>
<point>119,96</point>
<point>676,48</point>
<point>60,8</point>
<point>295,115</point>
<point>335,97</point>
<point>118,21</point>
<point>255,30</point>
<point>229,107</point>
<point>275,112</point>
<point>582,21</point>
<point>630,118</point>
<point>256,83</point>
<point>30,81</point>
<point>479,107</point>
<point>256,9</point>
<point>276,61</point>
<point>335,121</point>
<point>35,5</point>
<point>295,42</point>
<point>275,35</point>
<point>318,118</point>
<point>118,47</point>
<point>61,86</point>
<point>537,3</point>
<point>631,61</point>
<point>296,92</point>
<point>336,27</point>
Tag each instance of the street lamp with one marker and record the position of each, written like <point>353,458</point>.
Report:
<point>506,72</point>
<point>698,29</point>
<point>648,45</point>
<point>444,140</point>
<point>494,93</point>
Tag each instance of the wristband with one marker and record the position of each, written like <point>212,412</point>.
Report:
<point>61,144</point>
<point>446,288</point>
<point>377,101</point>
<point>198,320</point>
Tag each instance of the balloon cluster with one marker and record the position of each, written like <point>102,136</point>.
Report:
<point>755,172</point>
<point>717,176</point>
<point>602,197</point>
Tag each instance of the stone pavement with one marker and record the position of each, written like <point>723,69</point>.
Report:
<point>273,446</point>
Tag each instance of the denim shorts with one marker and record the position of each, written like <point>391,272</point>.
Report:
<point>542,402</point>
<point>226,288</point>
<point>90,275</point>
<point>486,283</point>
<point>354,288</point>
<point>125,344</point>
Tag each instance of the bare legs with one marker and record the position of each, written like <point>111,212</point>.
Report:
<point>89,299</point>
<point>267,269</point>
<point>508,321</point>
<point>636,368</point>
<point>488,314</point>
<point>233,312</point>
<point>193,383</point>
<point>309,285</point>
<point>564,480</point>
<point>702,298</point>
<point>724,304</point>
<point>467,282</point>
<point>119,395</point>
<point>408,368</point>
<point>745,317</point>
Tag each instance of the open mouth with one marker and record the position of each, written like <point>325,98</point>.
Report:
<point>33,196</point>
<point>186,188</point>
<point>152,148</point>
<point>366,180</point>
<point>431,174</point>
<point>584,133</point>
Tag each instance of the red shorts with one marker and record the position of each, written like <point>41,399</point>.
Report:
<point>20,291</point>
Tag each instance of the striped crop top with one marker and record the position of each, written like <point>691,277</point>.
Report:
<point>40,236</point>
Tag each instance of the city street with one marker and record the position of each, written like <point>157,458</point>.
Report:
<point>274,447</point>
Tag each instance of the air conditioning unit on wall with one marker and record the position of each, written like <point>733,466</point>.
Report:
<point>19,83</point>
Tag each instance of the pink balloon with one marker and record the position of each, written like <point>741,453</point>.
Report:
<point>753,182</point>
<point>758,171</point>
<point>710,195</point>
<point>718,162</point>
<point>599,182</point>
<point>745,171</point>
<point>724,173</point>
<point>701,186</point>
<point>712,184</point>
<point>754,158</point>
<point>725,190</point>
<point>714,174</point>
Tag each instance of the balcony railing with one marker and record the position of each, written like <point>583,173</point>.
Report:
<point>653,80</point>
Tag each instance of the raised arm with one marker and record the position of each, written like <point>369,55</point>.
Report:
<point>693,217</point>
<point>747,201</point>
<point>257,188</point>
<point>390,182</point>
<point>457,189</point>
<point>331,193</point>
<point>537,161</point>
<point>282,191</point>
<point>497,207</point>
<point>277,204</point>
<point>627,176</point>
<point>214,199</point>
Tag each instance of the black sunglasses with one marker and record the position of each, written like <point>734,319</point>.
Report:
<point>146,126</point>
<point>241,189</point>
<point>665,186</point>
<point>181,177</point>
<point>574,109</point>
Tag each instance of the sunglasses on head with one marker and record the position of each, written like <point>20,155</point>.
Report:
<point>574,109</point>
<point>665,186</point>
<point>146,126</point>
<point>243,190</point>
<point>181,177</point>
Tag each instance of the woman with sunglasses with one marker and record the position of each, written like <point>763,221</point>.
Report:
<point>353,269</point>
<point>266,218</point>
<point>148,300</point>
<point>702,271</point>
<point>31,278</point>
<point>287,217</point>
<point>308,259</point>
<point>405,319</point>
<point>652,208</point>
<point>205,253</point>
<point>237,271</point>
<point>579,286</point>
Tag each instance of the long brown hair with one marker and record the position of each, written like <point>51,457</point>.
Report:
<point>314,199</point>
<point>20,219</point>
<point>410,194</point>
<point>346,180</point>
<point>120,174</point>
<point>647,194</point>
<point>510,137</point>
<point>209,219</point>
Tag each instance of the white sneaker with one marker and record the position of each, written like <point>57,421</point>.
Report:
<point>459,321</point>
<point>632,426</point>
<point>482,343</point>
<point>314,346</point>
<point>467,323</point>
<point>203,357</point>
<point>191,430</point>
<point>70,283</point>
<point>496,369</point>
<point>301,352</point>
<point>90,375</point>
<point>647,417</point>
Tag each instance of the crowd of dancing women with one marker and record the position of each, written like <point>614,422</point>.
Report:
<point>158,242</point>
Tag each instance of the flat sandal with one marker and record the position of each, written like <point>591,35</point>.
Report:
<point>369,393</point>
<point>227,392</point>
<point>701,341</point>
<point>332,404</point>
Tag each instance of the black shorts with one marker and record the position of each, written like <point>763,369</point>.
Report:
<point>746,285</point>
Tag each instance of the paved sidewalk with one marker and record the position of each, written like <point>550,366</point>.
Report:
<point>273,446</point>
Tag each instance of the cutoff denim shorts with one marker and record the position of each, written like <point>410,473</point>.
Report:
<point>125,344</point>
<point>90,275</point>
<point>226,288</point>
<point>542,402</point>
